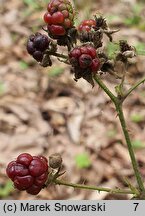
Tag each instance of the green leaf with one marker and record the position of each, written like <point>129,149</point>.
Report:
<point>82,160</point>
<point>7,189</point>
<point>55,71</point>
<point>137,117</point>
<point>138,144</point>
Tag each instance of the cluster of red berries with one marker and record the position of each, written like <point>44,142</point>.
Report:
<point>84,57</point>
<point>59,17</point>
<point>60,26</point>
<point>87,25</point>
<point>36,45</point>
<point>28,172</point>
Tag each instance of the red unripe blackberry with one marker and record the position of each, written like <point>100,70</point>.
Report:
<point>47,18</point>
<point>36,45</point>
<point>23,182</point>
<point>28,172</point>
<point>95,65</point>
<point>76,52</point>
<point>87,25</point>
<point>59,17</point>
<point>85,60</point>
<point>41,168</point>
<point>56,30</point>
<point>92,51</point>
<point>34,189</point>
<point>24,159</point>
<point>84,54</point>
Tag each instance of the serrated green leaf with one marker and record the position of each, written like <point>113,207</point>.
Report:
<point>82,160</point>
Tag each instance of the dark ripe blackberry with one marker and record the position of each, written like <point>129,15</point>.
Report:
<point>38,56</point>
<point>41,42</point>
<point>36,45</point>
<point>30,47</point>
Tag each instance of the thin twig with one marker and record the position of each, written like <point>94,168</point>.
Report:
<point>133,88</point>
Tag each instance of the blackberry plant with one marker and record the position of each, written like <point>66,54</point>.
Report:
<point>85,54</point>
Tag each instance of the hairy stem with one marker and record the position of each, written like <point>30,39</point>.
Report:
<point>118,105</point>
<point>90,187</point>
<point>130,148</point>
<point>133,88</point>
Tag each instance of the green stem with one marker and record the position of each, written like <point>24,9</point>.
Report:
<point>133,88</point>
<point>130,148</point>
<point>118,106</point>
<point>104,87</point>
<point>58,55</point>
<point>90,187</point>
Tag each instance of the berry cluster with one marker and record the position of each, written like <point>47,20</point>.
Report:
<point>84,61</point>
<point>28,172</point>
<point>36,45</point>
<point>84,57</point>
<point>87,25</point>
<point>59,17</point>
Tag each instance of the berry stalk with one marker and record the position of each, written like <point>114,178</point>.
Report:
<point>130,148</point>
<point>133,88</point>
<point>90,187</point>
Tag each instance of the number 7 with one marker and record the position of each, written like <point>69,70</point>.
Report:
<point>136,205</point>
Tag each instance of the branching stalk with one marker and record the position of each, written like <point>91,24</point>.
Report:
<point>118,105</point>
<point>130,148</point>
<point>105,88</point>
<point>133,88</point>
